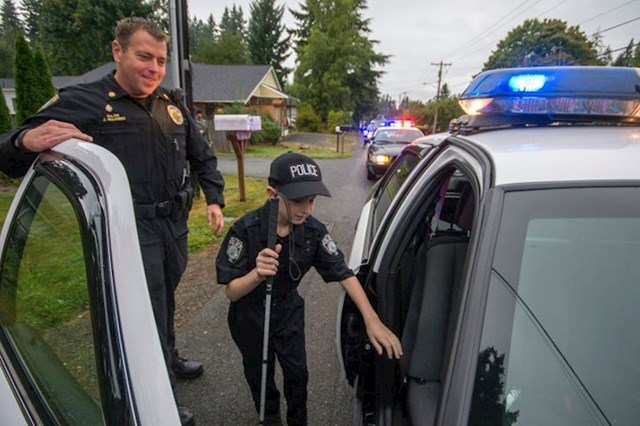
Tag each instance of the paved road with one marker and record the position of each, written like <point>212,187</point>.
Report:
<point>221,396</point>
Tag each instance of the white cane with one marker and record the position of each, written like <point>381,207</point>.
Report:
<point>271,243</point>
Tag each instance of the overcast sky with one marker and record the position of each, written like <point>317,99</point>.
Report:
<point>462,33</point>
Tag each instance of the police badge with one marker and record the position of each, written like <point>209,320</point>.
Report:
<point>175,114</point>
<point>234,249</point>
<point>329,245</point>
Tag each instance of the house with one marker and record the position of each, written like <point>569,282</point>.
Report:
<point>215,87</point>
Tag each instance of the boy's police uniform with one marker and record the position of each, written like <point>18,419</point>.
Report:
<point>153,140</point>
<point>309,244</point>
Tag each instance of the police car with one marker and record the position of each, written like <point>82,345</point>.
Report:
<point>78,341</point>
<point>506,259</point>
<point>386,145</point>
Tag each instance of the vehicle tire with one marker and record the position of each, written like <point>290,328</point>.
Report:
<point>370,175</point>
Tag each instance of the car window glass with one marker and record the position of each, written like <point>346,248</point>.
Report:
<point>562,301</point>
<point>393,180</point>
<point>44,306</point>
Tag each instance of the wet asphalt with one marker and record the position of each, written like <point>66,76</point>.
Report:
<point>221,396</point>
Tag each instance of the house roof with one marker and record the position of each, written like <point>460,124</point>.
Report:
<point>211,83</point>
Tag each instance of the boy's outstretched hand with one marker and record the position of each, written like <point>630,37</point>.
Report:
<point>383,339</point>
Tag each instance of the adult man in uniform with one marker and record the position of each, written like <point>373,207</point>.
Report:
<point>153,136</point>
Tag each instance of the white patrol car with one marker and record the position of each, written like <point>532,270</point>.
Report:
<point>506,257</point>
<point>78,341</point>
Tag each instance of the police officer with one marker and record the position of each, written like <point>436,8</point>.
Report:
<point>153,136</point>
<point>244,262</point>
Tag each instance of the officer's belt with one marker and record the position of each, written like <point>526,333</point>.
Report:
<point>155,210</point>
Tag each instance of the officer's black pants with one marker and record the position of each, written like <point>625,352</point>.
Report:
<point>165,260</point>
<point>287,344</point>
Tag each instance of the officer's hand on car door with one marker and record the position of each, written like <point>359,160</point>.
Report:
<point>50,134</point>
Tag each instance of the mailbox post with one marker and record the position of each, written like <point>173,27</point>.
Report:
<point>239,128</point>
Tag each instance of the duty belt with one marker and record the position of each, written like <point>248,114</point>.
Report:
<point>168,208</point>
<point>155,210</point>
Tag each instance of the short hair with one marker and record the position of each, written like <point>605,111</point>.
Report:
<point>129,25</point>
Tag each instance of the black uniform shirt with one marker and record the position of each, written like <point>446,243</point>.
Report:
<point>152,141</point>
<point>312,246</point>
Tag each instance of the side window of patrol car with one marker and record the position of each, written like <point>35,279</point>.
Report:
<point>45,320</point>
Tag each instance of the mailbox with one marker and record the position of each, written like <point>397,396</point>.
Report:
<point>237,122</point>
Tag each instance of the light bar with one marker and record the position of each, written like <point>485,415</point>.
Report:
<point>579,93</point>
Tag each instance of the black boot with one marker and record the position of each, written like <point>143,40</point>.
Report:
<point>186,416</point>
<point>185,369</point>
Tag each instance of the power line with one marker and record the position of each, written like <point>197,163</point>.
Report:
<point>607,11</point>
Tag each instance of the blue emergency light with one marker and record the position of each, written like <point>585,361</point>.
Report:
<point>547,94</point>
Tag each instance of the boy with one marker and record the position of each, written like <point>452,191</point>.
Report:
<point>244,262</point>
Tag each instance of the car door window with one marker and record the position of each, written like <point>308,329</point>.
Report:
<point>558,342</point>
<point>45,315</point>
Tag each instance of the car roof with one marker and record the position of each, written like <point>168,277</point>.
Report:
<point>561,153</point>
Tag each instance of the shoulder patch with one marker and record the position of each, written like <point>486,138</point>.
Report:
<point>50,102</point>
<point>234,249</point>
<point>329,245</point>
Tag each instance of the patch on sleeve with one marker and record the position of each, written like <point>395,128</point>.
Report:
<point>50,102</point>
<point>234,249</point>
<point>329,245</point>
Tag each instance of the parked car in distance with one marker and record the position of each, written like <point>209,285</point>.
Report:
<point>78,340</point>
<point>505,257</point>
<point>386,144</point>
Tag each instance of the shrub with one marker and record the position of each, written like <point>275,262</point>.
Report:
<point>338,118</point>
<point>307,119</point>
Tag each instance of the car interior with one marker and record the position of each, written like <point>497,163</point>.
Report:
<point>435,297</point>
<point>419,292</point>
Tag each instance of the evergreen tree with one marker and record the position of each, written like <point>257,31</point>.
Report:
<point>233,21</point>
<point>5,116</point>
<point>6,58</point>
<point>31,10</point>
<point>266,39</point>
<point>10,21</point>
<point>625,59</point>
<point>304,20</point>
<point>336,63</point>
<point>25,79</point>
<point>90,31</point>
<point>228,49</point>
<point>43,84</point>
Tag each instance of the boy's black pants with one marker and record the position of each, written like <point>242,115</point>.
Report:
<point>286,343</point>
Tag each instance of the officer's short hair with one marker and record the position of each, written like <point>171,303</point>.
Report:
<point>129,25</point>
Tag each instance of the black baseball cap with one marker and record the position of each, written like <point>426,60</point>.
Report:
<point>296,176</point>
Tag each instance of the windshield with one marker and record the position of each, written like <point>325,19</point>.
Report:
<point>560,343</point>
<point>399,135</point>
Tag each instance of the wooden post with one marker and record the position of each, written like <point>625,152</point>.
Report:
<point>239,147</point>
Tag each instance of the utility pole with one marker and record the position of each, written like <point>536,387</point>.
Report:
<point>435,116</point>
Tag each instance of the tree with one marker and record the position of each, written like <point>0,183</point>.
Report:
<point>267,42</point>
<point>25,80</point>
<point>43,84</point>
<point>5,116</point>
<point>31,10</point>
<point>233,21</point>
<point>10,22</point>
<point>629,57</point>
<point>304,20</point>
<point>88,27</point>
<point>335,64</point>
<point>540,43</point>
<point>199,30</point>
<point>228,49</point>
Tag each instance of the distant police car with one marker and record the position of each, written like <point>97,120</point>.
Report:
<point>386,145</point>
<point>506,258</point>
<point>78,341</point>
